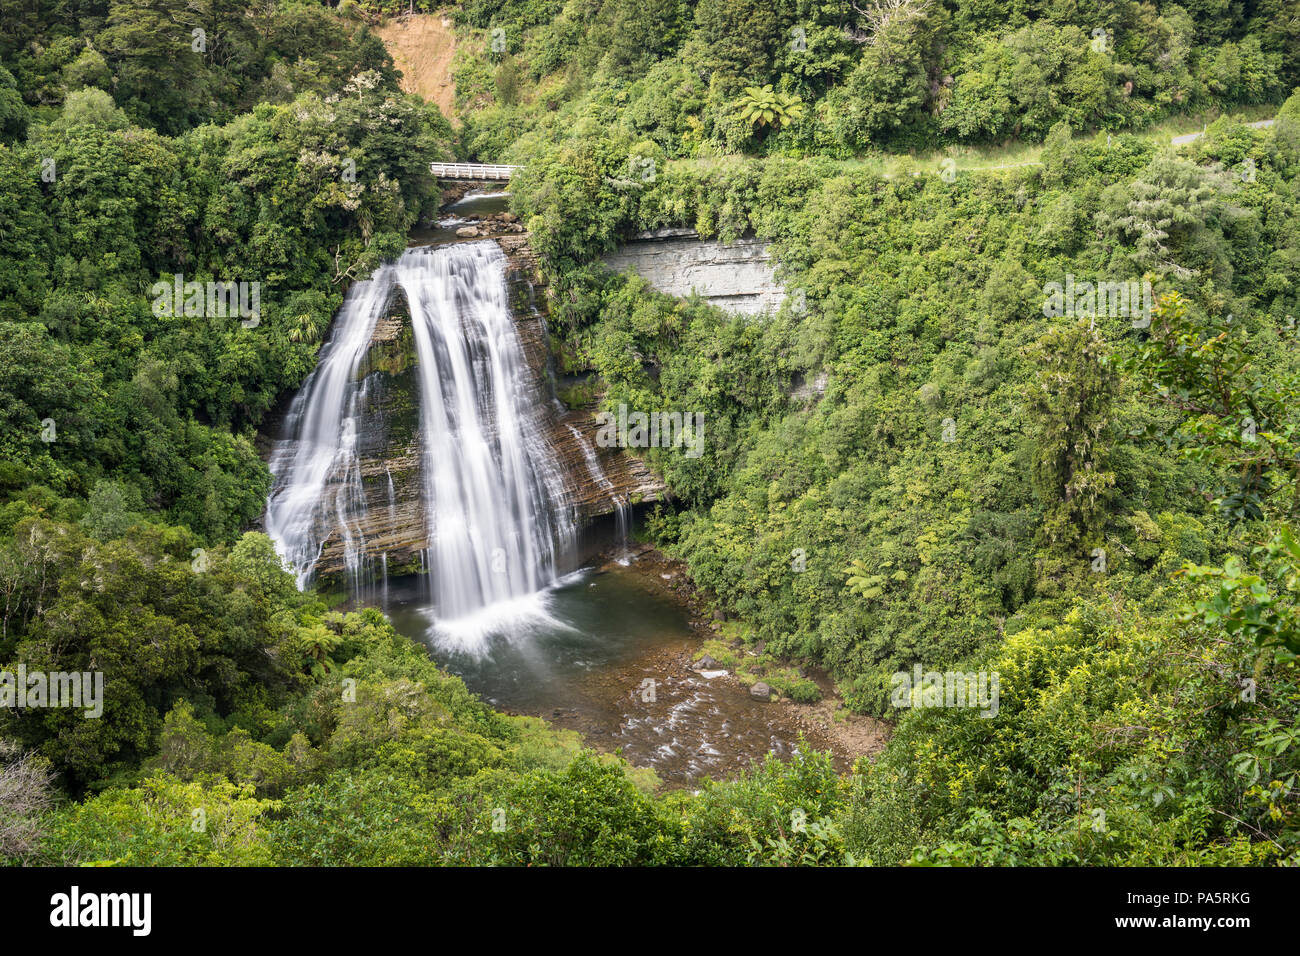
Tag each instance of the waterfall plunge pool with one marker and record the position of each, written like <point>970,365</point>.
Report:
<point>580,653</point>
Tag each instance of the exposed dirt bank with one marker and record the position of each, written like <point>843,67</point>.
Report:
<point>422,47</point>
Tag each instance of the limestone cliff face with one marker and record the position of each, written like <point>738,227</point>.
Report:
<point>390,453</point>
<point>736,276</point>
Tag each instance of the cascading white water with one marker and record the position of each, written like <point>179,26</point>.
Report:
<point>494,492</point>
<point>623,521</point>
<point>499,524</point>
<point>622,507</point>
<point>317,473</point>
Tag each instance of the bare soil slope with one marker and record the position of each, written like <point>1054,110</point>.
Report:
<point>422,47</point>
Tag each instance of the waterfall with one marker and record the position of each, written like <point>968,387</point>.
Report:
<point>316,470</point>
<point>623,521</point>
<point>499,522</point>
<point>494,491</point>
<point>622,507</point>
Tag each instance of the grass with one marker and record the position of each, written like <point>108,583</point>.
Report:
<point>982,158</point>
<point>732,653</point>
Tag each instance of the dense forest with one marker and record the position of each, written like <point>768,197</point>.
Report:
<point>1097,507</point>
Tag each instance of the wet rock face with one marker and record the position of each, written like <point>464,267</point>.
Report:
<point>736,276</point>
<point>389,444</point>
<point>572,432</point>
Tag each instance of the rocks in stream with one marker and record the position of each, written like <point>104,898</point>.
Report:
<point>760,691</point>
<point>493,225</point>
<point>706,663</point>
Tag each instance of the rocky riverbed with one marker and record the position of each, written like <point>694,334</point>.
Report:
<point>611,654</point>
<point>710,723</point>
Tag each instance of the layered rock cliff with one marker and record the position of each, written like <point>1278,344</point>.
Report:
<point>736,276</point>
<point>572,431</point>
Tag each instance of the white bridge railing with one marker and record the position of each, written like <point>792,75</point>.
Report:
<point>472,171</point>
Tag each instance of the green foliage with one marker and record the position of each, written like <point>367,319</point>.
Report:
<point>1096,756</point>
<point>1232,413</point>
<point>168,77</point>
<point>924,306</point>
<point>355,819</point>
<point>911,462</point>
<point>590,814</point>
<point>164,406</point>
<point>950,540</point>
<point>900,75</point>
<point>1041,74</point>
<point>163,822</point>
<point>1070,403</point>
<point>779,813</point>
<point>763,107</point>
<point>160,619</point>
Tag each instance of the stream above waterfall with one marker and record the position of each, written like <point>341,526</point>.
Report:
<point>470,208</point>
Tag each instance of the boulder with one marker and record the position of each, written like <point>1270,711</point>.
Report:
<point>467,232</point>
<point>760,691</point>
<point>706,663</point>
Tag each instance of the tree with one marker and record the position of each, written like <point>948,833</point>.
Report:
<point>764,107</point>
<point>25,795</point>
<point>112,508</point>
<point>877,16</point>
<point>1167,214</point>
<point>1070,405</point>
<point>1231,413</point>
<point>157,824</point>
<point>737,37</point>
<point>889,88</point>
<point>90,107</point>
<point>13,111</point>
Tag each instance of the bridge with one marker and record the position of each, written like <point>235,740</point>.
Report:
<point>473,171</point>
